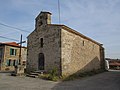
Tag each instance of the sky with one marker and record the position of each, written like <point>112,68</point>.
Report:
<point>97,19</point>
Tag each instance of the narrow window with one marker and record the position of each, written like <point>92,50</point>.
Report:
<point>83,43</point>
<point>41,42</point>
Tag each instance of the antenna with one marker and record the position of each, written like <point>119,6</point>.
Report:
<point>59,11</point>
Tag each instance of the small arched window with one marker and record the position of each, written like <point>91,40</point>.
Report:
<point>41,42</point>
<point>83,42</point>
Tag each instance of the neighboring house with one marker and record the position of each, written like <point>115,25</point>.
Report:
<point>114,63</point>
<point>9,55</point>
<point>58,46</point>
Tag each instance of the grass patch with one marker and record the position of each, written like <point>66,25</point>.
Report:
<point>52,75</point>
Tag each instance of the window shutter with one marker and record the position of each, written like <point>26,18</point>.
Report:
<point>16,62</point>
<point>10,51</point>
<point>15,51</point>
<point>7,62</point>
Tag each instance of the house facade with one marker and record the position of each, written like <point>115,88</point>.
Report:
<point>113,63</point>
<point>9,56</point>
<point>58,46</point>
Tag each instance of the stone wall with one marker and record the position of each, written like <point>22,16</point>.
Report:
<point>78,54</point>
<point>51,47</point>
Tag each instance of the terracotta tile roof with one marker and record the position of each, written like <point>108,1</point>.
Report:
<point>114,63</point>
<point>10,44</point>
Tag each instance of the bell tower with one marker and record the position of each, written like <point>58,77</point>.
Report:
<point>42,19</point>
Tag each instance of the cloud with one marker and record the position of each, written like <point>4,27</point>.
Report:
<point>98,19</point>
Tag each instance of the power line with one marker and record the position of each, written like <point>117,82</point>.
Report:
<point>9,38</point>
<point>59,11</point>
<point>14,28</point>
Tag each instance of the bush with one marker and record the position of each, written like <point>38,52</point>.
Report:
<point>52,75</point>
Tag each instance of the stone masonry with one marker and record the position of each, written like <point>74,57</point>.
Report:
<point>51,47</point>
<point>5,56</point>
<point>62,48</point>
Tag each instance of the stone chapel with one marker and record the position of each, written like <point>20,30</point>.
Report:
<point>59,46</point>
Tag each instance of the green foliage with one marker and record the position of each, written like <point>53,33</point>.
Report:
<point>54,72</point>
<point>52,75</point>
<point>44,76</point>
<point>53,78</point>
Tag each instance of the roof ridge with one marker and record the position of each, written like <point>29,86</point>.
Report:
<point>75,32</point>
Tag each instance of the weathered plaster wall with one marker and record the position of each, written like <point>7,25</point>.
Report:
<point>7,56</point>
<point>78,54</point>
<point>51,47</point>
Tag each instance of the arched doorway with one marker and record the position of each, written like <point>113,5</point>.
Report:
<point>41,61</point>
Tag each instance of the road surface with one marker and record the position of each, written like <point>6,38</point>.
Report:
<point>104,81</point>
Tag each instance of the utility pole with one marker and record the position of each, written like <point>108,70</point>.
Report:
<point>59,11</point>
<point>19,69</point>
<point>20,49</point>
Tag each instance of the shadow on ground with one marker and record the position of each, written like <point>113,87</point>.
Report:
<point>102,81</point>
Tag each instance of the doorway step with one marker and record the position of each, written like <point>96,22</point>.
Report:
<point>36,74</point>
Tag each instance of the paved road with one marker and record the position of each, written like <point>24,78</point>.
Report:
<point>104,81</point>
